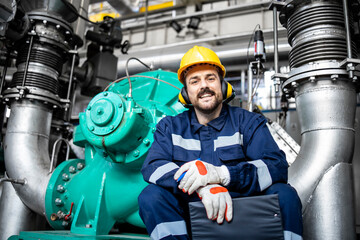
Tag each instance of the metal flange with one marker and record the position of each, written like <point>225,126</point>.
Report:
<point>31,93</point>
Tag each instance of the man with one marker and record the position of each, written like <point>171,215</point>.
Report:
<point>213,150</point>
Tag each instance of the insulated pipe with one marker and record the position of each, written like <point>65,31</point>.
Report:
<point>14,215</point>
<point>327,115</point>
<point>26,151</point>
<point>326,105</point>
<point>326,111</point>
<point>323,211</point>
<point>168,58</point>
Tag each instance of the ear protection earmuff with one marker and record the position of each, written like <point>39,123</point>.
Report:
<point>226,89</point>
<point>184,98</point>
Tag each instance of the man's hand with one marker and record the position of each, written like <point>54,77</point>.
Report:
<point>217,202</point>
<point>199,174</point>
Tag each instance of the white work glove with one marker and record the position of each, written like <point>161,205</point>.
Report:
<point>217,202</point>
<point>199,174</point>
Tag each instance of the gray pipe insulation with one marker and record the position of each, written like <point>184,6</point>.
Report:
<point>325,94</point>
<point>169,57</point>
<point>26,151</point>
<point>326,113</point>
<point>322,172</point>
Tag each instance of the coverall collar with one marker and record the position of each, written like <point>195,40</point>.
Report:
<point>216,123</point>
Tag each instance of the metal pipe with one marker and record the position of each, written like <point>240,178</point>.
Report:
<point>250,89</point>
<point>348,38</point>
<point>68,105</point>
<point>173,12</point>
<point>168,57</point>
<point>3,77</point>
<point>53,162</point>
<point>27,60</point>
<point>71,73</point>
<point>244,36</point>
<point>326,106</point>
<point>243,75</point>
<point>14,215</point>
<point>145,25</point>
<point>128,75</point>
<point>26,151</point>
<point>276,55</point>
<point>333,192</point>
<point>327,115</point>
<point>15,181</point>
<point>347,27</point>
<point>258,7</point>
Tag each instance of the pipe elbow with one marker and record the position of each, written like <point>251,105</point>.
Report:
<point>26,152</point>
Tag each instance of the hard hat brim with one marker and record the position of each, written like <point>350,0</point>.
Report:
<point>182,69</point>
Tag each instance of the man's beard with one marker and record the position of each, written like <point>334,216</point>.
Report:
<point>208,109</point>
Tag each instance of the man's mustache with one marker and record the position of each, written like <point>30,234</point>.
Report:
<point>205,91</point>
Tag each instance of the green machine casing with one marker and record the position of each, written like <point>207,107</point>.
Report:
<point>86,197</point>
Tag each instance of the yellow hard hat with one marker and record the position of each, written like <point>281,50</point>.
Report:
<point>197,55</point>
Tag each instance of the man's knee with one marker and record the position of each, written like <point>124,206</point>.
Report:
<point>290,206</point>
<point>151,195</point>
<point>161,213</point>
<point>287,194</point>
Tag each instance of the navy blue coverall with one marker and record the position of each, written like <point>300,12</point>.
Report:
<point>237,139</point>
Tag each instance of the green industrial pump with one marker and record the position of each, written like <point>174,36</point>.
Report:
<point>87,196</point>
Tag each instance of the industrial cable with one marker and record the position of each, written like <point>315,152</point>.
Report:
<point>77,14</point>
<point>247,61</point>
<point>157,79</point>
<point>248,47</point>
<point>127,72</point>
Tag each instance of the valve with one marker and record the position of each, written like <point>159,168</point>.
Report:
<point>68,216</point>
<point>259,46</point>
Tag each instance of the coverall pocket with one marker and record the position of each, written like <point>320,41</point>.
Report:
<point>184,156</point>
<point>234,153</point>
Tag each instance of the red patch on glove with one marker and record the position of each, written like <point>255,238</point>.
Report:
<point>216,190</point>
<point>226,214</point>
<point>201,168</point>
